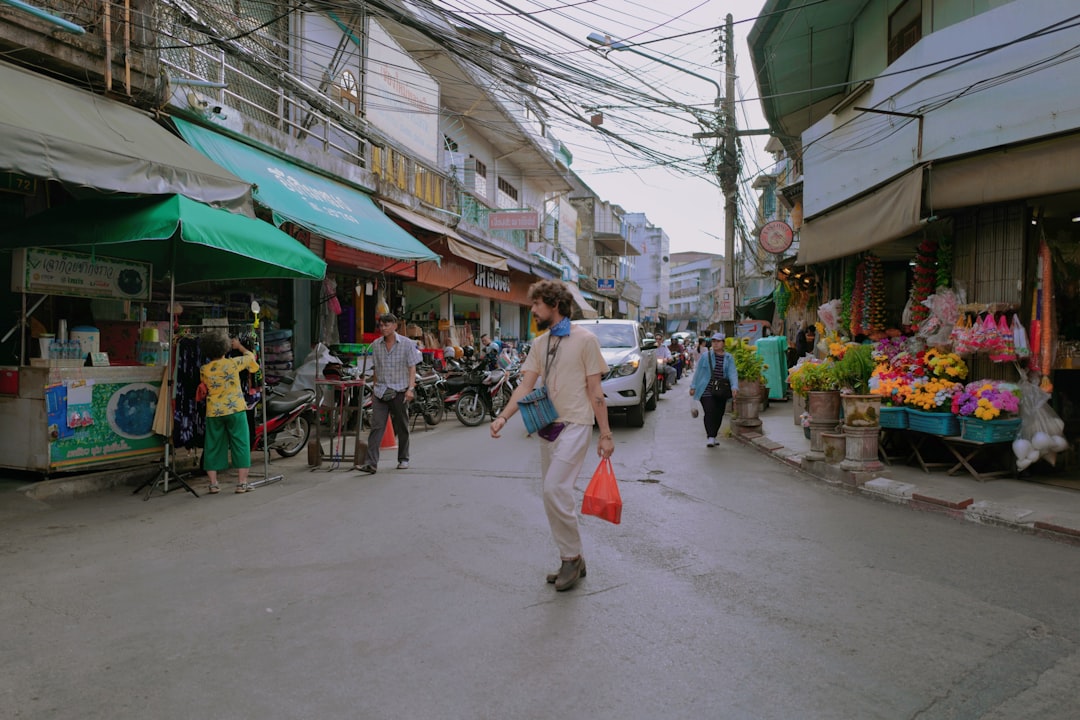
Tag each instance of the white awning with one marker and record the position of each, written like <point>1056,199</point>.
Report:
<point>587,310</point>
<point>888,213</point>
<point>462,249</point>
<point>56,131</point>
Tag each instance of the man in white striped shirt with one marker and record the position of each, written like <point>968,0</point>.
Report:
<point>394,358</point>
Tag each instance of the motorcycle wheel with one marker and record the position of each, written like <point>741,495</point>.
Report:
<point>470,408</point>
<point>293,438</point>
<point>434,410</point>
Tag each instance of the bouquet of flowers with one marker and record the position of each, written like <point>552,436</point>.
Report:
<point>945,365</point>
<point>886,349</point>
<point>933,394</point>
<point>987,400</point>
<point>894,386</point>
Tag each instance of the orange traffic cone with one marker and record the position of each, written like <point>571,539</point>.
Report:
<point>389,440</point>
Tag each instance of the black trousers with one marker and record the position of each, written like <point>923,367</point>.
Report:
<point>395,411</point>
<point>713,407</point>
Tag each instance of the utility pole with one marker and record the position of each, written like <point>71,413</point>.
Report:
<point>729,168</point>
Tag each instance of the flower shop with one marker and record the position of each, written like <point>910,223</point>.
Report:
<point>957,347</point>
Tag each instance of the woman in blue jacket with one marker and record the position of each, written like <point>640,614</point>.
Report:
<point>715,382</point>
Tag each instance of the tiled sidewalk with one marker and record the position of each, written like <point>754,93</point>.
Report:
<point>1018,504</point>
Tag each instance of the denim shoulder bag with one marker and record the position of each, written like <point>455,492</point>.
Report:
<point>537,410</point>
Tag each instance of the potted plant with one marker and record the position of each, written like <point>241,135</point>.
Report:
<point>853,372</point>
<point>816,380</point>
<point>750,368</point>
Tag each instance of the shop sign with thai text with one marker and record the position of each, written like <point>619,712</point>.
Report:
<point>59,272</point>
<point>528,220</point>
<point>727,304</point>
<point>491,279</point>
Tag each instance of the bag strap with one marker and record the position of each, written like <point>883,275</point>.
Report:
<point>550,355</point>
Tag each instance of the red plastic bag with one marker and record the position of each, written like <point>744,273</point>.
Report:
<point>602,497</point>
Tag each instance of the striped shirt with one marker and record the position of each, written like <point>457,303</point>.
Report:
<point>718,370</point>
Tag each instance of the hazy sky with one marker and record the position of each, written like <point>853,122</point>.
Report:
<point>688,207</point>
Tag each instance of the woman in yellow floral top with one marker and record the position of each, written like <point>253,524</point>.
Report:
<point>226,410</point>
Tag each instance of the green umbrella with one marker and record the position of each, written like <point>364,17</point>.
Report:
<point>180,237</point>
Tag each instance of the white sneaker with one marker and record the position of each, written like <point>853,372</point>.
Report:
<point>711,442</point>
<point>403,465</point>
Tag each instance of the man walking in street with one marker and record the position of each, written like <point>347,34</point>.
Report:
<point>394,359</point>
<point>570,361</point>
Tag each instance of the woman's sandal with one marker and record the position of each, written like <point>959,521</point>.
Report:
<point>214,489</point>
<point>241,488</point>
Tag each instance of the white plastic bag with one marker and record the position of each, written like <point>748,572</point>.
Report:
<point>1040,426</point>
<point>305,374</point>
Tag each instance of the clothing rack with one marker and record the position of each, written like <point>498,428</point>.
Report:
<point>193,331</point>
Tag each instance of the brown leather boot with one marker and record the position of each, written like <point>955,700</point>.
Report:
<point>569,573</point>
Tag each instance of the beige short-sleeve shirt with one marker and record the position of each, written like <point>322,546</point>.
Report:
<point>577,356</point>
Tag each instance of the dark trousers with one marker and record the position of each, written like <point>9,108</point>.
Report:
<point>713,406</point>
<point>395,410</point>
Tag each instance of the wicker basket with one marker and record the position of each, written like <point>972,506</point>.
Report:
<point>933,423</point>
<point>894,418</point>
<point>989,431</point>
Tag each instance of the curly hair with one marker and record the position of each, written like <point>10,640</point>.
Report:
<point>552,293</point>
<point>214,344</point>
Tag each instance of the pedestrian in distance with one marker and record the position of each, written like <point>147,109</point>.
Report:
<point>227,428</point>
<point>394,359</point>
<point>569,358</point>
<point>715,382</point>
<point>663,352</point>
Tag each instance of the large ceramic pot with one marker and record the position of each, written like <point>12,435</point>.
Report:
<point>861,410</point>
<point>747,407</point>
<point>862,421</point>
<point>824,409</point>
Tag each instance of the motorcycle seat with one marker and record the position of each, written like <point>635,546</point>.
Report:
<point>281,404</point>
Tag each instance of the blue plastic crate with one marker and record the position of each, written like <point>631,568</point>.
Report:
<point>894,418</point>
<point>989,431</point>
<point>933,423</point>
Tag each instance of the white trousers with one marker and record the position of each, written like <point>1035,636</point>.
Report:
<point>560,464</point>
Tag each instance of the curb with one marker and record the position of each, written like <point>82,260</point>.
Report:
<point>1064,527</point>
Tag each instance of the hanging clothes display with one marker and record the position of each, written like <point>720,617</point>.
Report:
<point>189,415</point>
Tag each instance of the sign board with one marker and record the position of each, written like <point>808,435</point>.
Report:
<point>99,359</point>
<point>59,272</point>
<point>605,283</point>
<point>491,279</point>
<point>21,184</point>
<point>775,237</point>
<point>524,220</point>
<point>727,304</point>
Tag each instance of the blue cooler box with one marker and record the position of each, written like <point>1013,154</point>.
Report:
<point>774,350</point>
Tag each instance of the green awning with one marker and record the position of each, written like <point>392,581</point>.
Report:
<point>174,233</point>
<point>317,203</point>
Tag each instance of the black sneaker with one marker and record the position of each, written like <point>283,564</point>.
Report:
<point>370,470</point>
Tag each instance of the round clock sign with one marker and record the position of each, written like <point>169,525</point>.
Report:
<point>775,237</point>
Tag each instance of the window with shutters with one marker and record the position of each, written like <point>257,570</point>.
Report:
<point>508,195</point>
<point>479,184</point>
<point>905,28</point>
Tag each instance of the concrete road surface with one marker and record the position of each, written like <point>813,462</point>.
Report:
<point>734,588</point>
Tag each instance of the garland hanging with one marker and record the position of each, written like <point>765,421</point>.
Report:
<point>847,295</point>
<point>875,296</point>
<point>781,298</point>
<point>925,277</point>
<point>944,263</point>
<point>858,300</point>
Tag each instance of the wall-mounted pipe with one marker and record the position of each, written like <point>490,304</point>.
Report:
<point>39,13</point>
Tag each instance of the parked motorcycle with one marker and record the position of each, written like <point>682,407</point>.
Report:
<point>290,415</point>
<point>485,393</point>
<point>428,398</point>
